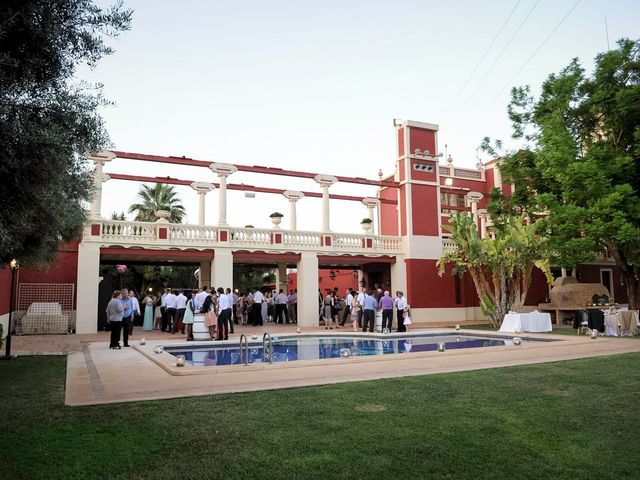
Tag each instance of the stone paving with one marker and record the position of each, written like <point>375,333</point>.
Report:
<point>96,374</point>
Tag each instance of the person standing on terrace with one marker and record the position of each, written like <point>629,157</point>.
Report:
<point>369,307</point>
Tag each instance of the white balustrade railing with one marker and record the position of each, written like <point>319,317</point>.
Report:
<point>302,239</point>
<point>192,233</point>
<point>249,236</point>
<point>346,241</point>
<point>448,245</point>
<point>387,243</point>
<point>185,235</point>
<point>123,230</point>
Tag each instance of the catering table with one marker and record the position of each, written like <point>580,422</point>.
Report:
<point>526,322</point>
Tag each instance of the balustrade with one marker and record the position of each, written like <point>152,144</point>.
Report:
<point>186,235</point>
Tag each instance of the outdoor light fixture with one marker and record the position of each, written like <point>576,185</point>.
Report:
<point>354,273</point>
<point>362,283</point>
<point>15,266</point>
<point>397,122</point>
<point>332,274</point>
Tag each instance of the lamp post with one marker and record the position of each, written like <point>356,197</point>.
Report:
<point>14,270</point>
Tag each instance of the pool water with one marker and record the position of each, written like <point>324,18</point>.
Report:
<point>307,347</point>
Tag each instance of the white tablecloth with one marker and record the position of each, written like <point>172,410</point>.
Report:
<point>526,322</point>
<point>611,321</point>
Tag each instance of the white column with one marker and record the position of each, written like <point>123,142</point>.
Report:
<point>99,159</point>
<point>87,290</point>
<point>371,203</point>
<point>293,197</point>
<point>281,277</point>
<point>205,274</point>
<point>482,213</point>
<point>399,275</point>
<point>472,200</point>
<point>325,182</point>
<point>202,188</point>
<point>223,170</point>
<point>308,290</point>
<point>222,268</point>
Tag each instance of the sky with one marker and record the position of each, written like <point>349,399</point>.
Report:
<point>315,86</point>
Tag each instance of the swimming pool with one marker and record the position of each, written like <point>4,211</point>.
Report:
<point>318,347</point>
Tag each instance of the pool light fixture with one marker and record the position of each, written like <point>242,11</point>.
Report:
<point>441,347</point>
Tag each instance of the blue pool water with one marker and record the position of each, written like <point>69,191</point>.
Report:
<point>306,347</point>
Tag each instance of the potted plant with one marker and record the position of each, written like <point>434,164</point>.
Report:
<point>276,218</point>
<point>162,213</point>
<point>366,224</point>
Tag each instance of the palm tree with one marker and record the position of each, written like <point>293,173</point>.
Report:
<point>158,197</point>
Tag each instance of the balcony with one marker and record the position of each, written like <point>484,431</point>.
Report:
<point>183,236</point>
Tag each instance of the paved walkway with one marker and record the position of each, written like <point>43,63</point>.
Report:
<point>98,375</point>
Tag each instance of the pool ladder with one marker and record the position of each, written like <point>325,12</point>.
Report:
<point>266,341</point>
<point>244,348</point>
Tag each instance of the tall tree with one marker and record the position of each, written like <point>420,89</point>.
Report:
<point>47,122</point>
<point>581,160</point>
<point>158,197</point>
<point>501,266</point>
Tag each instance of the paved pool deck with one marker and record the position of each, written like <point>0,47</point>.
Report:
<point>98,375</point>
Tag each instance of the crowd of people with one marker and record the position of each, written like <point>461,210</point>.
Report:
<point>174,311</point>
<point>361,307</point>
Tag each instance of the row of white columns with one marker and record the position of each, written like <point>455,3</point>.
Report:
<point>223,170</point>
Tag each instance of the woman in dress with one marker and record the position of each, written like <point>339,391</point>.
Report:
<point>264,308</point>
<point>147,325</point>
<point>355,312</point>
<point>329,305</point>
<point>210,317</point>
<point>157,313</point>
<point>189,316</point>
<point>247,303</point>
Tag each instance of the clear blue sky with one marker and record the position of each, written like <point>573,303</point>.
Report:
<point>315,85</point>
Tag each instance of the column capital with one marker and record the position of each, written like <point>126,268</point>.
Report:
<point>483,212</point>
<point>202,187</point>
<point>325,180</point>
<point>105,177</point>
<point>371,202</point>
<point>293,195</point>
<point>223,169</point>
<point>101,157</point>
<point>474,197</point>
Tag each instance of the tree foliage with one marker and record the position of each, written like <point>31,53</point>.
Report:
<point>580,166</point>
<point>500,266</point>
<point>158,197</point>
<point>47,123</point>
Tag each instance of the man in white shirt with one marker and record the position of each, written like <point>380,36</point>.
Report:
<point>201,296</point>
<point>256,309</point>
<point>171,307</point>
<point>348,300</point>
<point>281,307</point>
<point>181,306</point>
<point>292,300</point>
<point>136,310</point>
<point>163,309</point>
<point>360,298</point>
<point>224,315</point>
<point>400,304</point>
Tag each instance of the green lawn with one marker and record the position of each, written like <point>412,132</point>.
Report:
<point>573,420</point>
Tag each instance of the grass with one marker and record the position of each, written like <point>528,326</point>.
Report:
<point>574,419</point>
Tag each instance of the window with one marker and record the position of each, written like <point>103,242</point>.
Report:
<point>451,200</point>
